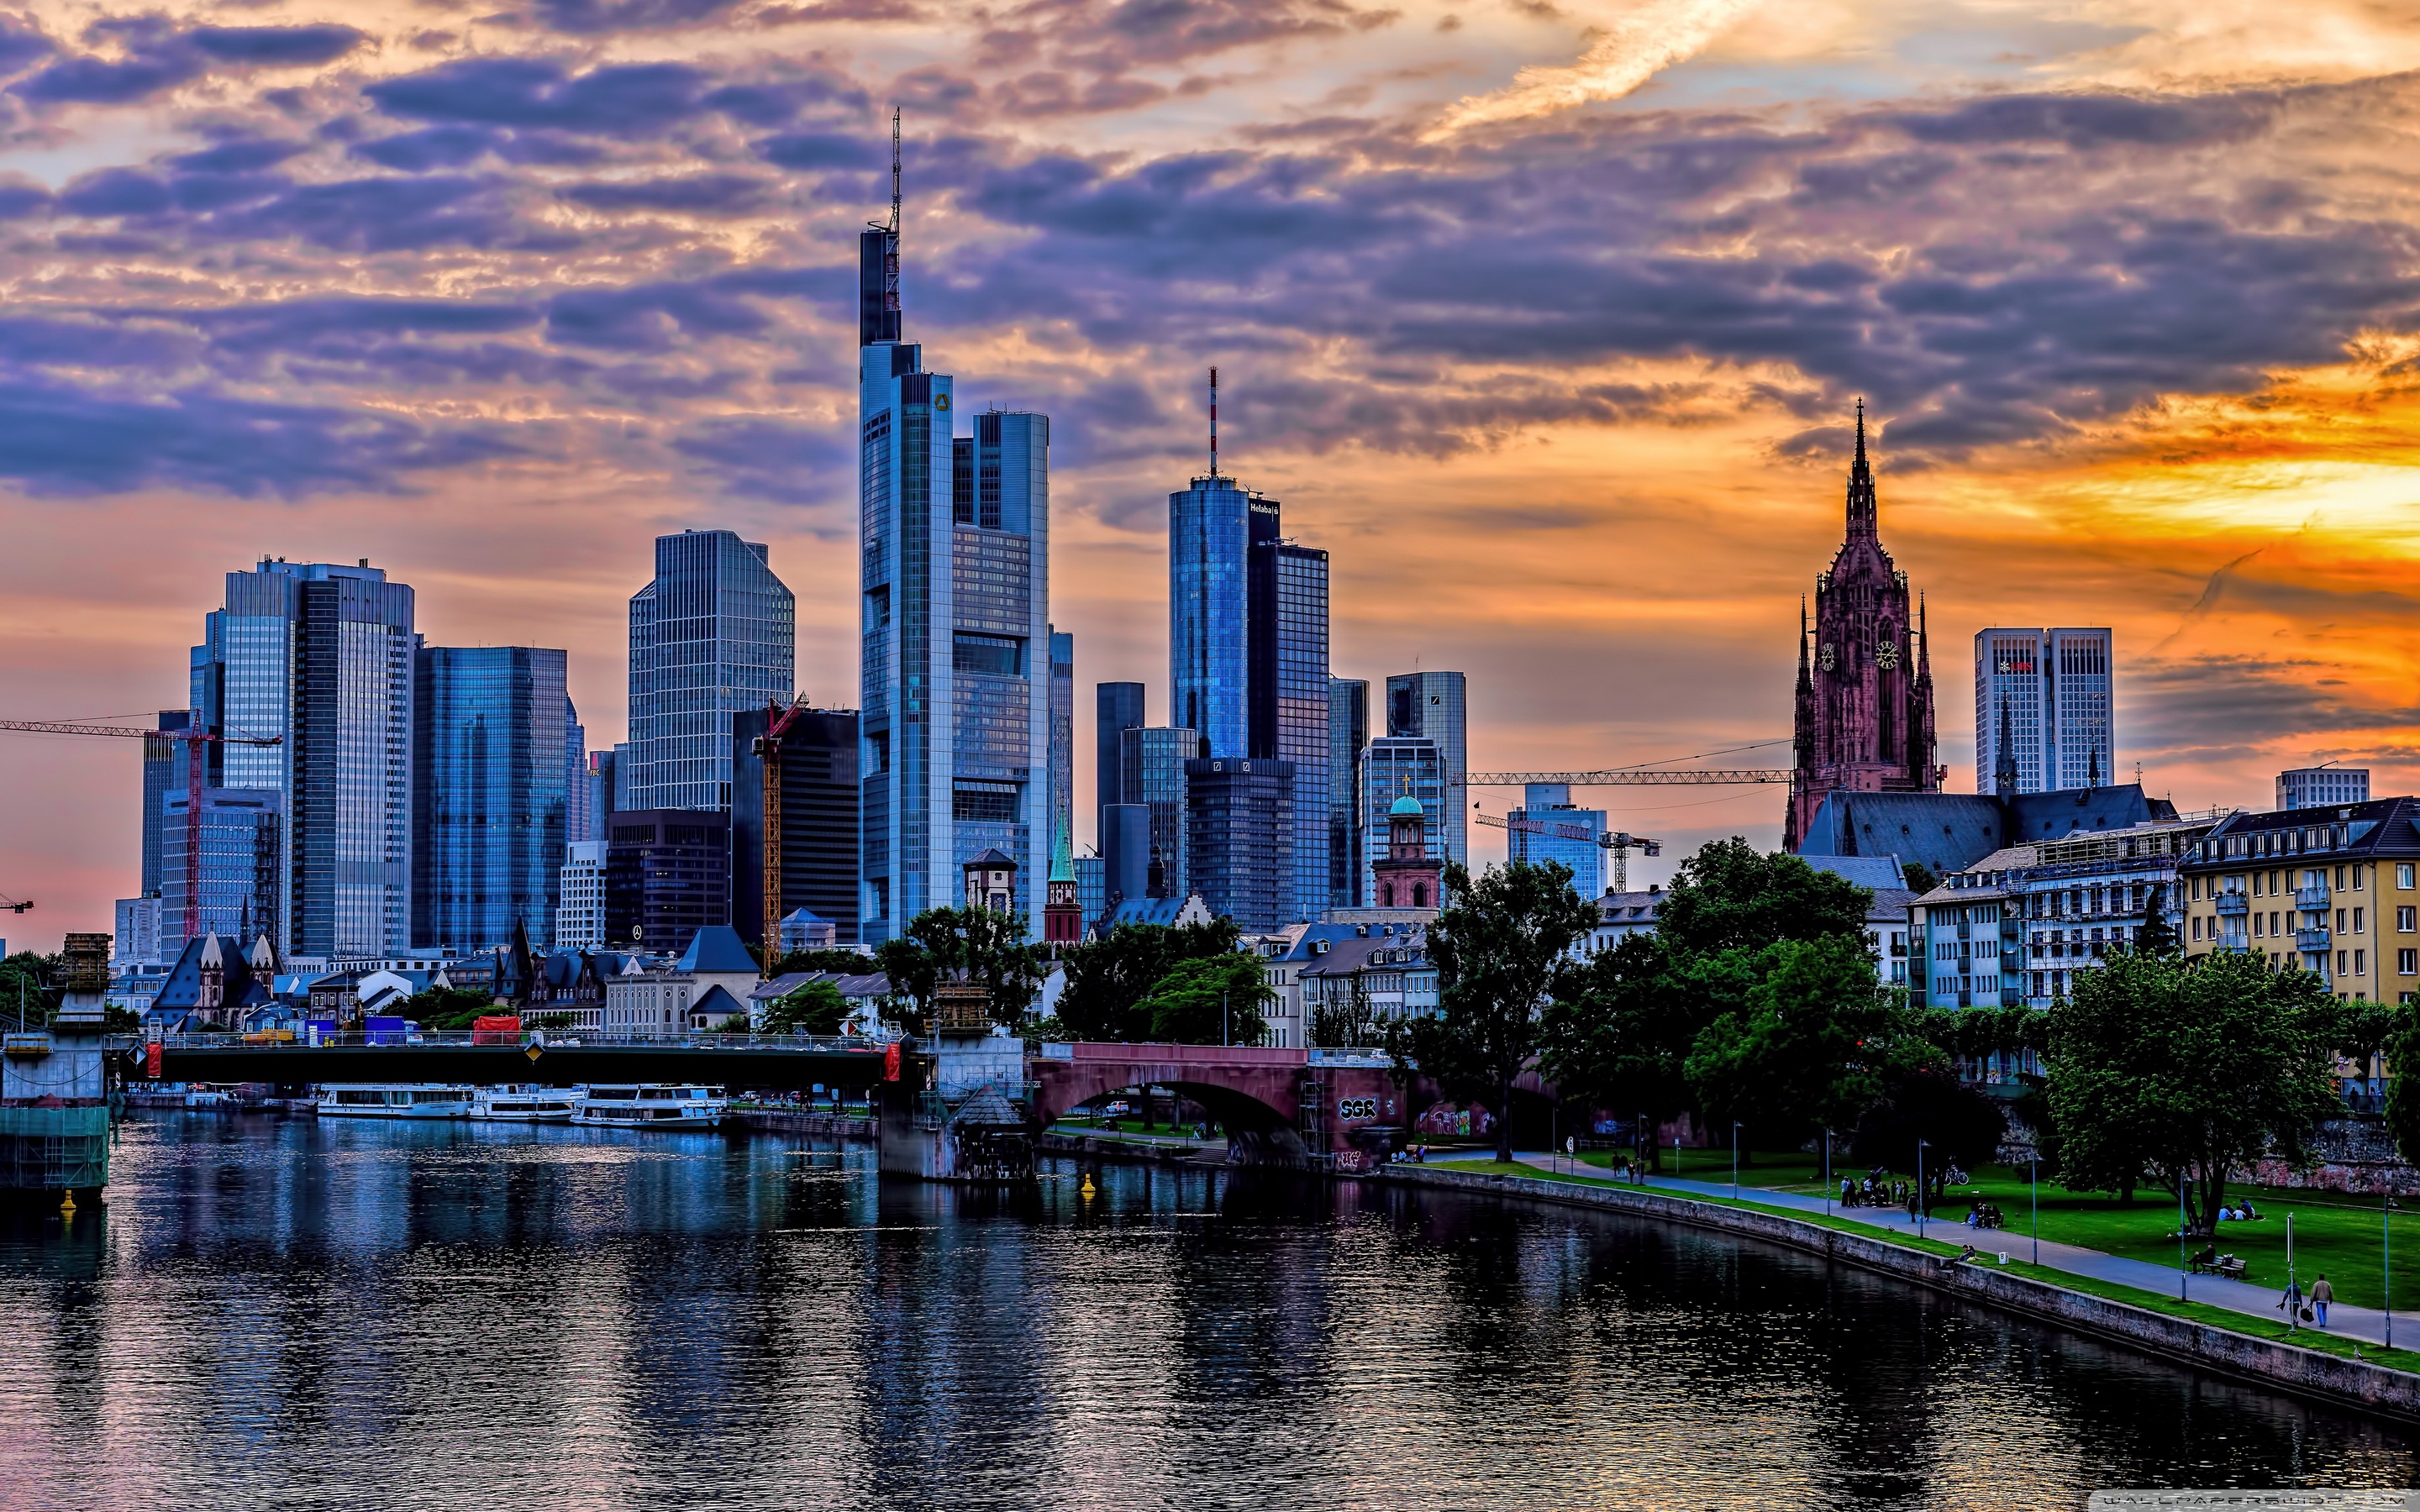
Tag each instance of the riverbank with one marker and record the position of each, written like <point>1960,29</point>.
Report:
<point>2169,1331</point>
<point>1145,1149</point>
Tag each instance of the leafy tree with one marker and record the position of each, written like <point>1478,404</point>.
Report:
<point>2157,936</point>
<point>1920,879</point>
<point>26,990</point>
<point>978,945</point>
<point>1729,895</point>
<point>553,1021</point>
<point>1214,1000</point>
<point>2180,1072</point>
<point>1959,1123</point>
<point>839,963</point>
<point>816,1007</point>
<point>1611,1039</point>
<point>1353,1021</point>
<point>447,1008</point>
<point>2402,1047</point>
<point>1811,1048</point>
<point>1107,978</point>
<point>1498,950</point>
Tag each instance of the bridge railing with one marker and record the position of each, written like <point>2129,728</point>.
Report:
<point>874,1044</point>
<point>1209,1055</point>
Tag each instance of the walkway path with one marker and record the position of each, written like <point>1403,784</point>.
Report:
<point>2366,1323</point>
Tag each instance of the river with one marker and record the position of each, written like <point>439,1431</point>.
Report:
<point>284,1313</point>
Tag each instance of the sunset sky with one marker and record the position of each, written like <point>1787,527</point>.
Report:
<point>1546,318</point>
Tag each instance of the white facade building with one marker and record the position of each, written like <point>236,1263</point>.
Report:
<point>580,916</point>
<point>2319,787</point>
<point>2049,692</point>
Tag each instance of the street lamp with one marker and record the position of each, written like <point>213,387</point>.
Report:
<point>1735,1128</point>
<point>1921,1204</point>
<point>1827,1173</point>
<point>2386,1264</point>
<point>2033,1162</point>
<point>2184,1184</point>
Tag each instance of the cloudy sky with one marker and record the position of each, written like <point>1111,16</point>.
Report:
<point>1545,316</point>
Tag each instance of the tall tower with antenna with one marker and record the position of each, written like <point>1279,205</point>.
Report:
<point>955,667</point>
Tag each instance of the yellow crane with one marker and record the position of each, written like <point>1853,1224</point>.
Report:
<point>767,749</point>
<point>1620,843</point>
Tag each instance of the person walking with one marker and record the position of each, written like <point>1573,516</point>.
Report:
<point>2322,1294</point>
<point>2292,1303</point>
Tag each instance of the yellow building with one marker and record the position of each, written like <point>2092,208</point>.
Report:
<point>2330,890</point>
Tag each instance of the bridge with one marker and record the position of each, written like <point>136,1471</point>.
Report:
<point>777,1062</point>
<point>1331,1108</point>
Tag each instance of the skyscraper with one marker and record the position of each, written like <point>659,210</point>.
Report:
<point>240,871</point>
<point>1434,706</point>
<point>1392,768</point>
<point>2050,693</point>
<point>1063,751</point>
<point>819,821</point>
<point>490,774</point>
<point>1348,730</point>
<point>578,793</point>
<point>1239,838</point>
<point>164,768</point>
<point>954,572</point>
<point>1117,707</point>
<point>714,633</point>
<point>1864,713</point>
<point>1155,779</point>
<point>320,656</point>
<point>1300,739</point>
<point>1564,834</point>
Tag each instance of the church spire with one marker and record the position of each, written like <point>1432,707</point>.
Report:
<point>2004,773</point>
<point>1862,521</point>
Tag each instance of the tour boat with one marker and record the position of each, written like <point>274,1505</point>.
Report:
<point>524,1105</point>
<point>651,1105</point>
<point>395,1099</point>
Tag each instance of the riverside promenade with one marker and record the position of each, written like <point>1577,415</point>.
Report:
<point>2368,1324</point>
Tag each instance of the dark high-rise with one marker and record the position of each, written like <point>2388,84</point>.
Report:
<point>1239,839</point>
<point>667,875</point>
<point>819,821</point>
<point>1117,707</point>
<point>490,799</point>
<point>1348,732</point>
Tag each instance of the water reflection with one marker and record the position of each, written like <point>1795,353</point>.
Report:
<point>376,1315</point>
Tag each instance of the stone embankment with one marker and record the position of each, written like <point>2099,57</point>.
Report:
<point>800,1120</point>
<point>2305,1372</point>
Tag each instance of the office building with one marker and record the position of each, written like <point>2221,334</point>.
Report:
<point>578,793</point>
<point>1127,858</point>
<point>1214,528</point>
<point>136,942</point>
<point>1863,717</point>
<point>819,822</point>
<point>1301,695</point>
<point>1392,768</point>
<point>1155,779</point>
<point>1239,840</point>
<point>1348,730</point>
<point>1062,752</point>
<point>1117,707</point>
<point>954,535</point>
<point>320,656</point>
<point>1560,833</point>
<point>2331,892</point>
<point>163,767</point>
<point>595,809</point>
<point>242,845</point>
<point>491,780</point>
<point>713,634</point>
<point>667,875</point>
<point>1092,888</point>
<point>1433,707</point>
<point>2305,787</point>
<point>580,906</point>
<point>2043,710</point>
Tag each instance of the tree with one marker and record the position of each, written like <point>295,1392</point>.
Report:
<point>1919,877</point>
<point>976,945</point>
<point>1353,1021</point>
<point>1731,896</point>
<point>1811,1047</point>
<point>1212,999</point>
<point>815,1007</point>
<point>1107,978</point>
<point>2180,1072</point>
<point>448,1009</point>
<point>1497,951</point>
<point>1961,1124</point>
<point>840,963</point>
<point>2402,1047</point>
<point>2157,936</point>
<point>1611,1039</point>
<point>26,990</point>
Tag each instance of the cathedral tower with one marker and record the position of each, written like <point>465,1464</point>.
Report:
<point>1864,673</point>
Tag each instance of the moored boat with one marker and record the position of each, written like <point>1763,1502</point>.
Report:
<point>395,1099</point>
<point>512,1104</point>
<point>652,1105</point>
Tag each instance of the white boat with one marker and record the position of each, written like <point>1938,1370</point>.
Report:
<point>395,1099</point>
<point>651,1105</point>
<point>524,1105</point>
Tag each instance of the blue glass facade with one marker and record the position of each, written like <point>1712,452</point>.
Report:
<point>1239,823</point>
<point>956,662</point>
<point>1433,705</point>
<point>164,768</point>
<point>321,656</point>
<point>1063,742</point>
<point>1395,767</point>
<point>713,634</point>
<point>491,780</point>
<point>242,845</point>
<point>1302,713</point>
<point>1210,531</point>
<point>1155,779</point>
<point>1348,730</point>
<point>1566,834</point>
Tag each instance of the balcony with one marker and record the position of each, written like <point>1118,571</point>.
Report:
<point>2310,897</point>
<point>2310,939</point>
<point>2234,903</point>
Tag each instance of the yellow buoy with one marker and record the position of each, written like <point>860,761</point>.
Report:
<point>1088,1183</point>
<point>67,1207</point>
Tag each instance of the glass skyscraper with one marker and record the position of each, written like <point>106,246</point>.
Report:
<point>2051,690</point>
<point>1062,740</point>
<point>1239,833</point>
<point>241,844</point>
<point>1155,779</point>
<point>1301,714</point>
<point>1564,834</point>
<point>1433,704</point>
<point>953,540</point>
<point>322,657</point>
<point>713,634</point>
<point>164,768</point>
<point>1212,527</point>
<point>491,795</point>
<point>1396,766</point>
<point>1348,730</point>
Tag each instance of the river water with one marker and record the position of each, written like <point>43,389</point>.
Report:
<point>283,1313</point>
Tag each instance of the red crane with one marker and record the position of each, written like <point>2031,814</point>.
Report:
<point>194,738</point>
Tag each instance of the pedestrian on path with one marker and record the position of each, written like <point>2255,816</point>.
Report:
<point>2292,1301</point>
<point>2322,1294</point>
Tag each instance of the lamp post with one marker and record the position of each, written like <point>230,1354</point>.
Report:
<point>1735,1128</point>
<point>2033,1164</point>
<point>2184,1184</point>
<point>1921,1203</point>
<point>2386,1265</point>
<point>1827,1173</point>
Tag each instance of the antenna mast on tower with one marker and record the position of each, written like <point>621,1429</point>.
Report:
<point>894,170</point>
<point>1214,423</point>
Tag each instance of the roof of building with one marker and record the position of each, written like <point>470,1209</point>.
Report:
<point>717,947</point>
<point>991,859</point>
<point>1315,942</point>
<point>1631,907</point>
<point>1949,832</point>
<point>1356,952</point>
<point>1406,805</point>
<point>804,916</point>
<point>182,987</point>
<point>717,999</point>
<point>1876,871</point>
<point>1164,911</point>
<point>866,984</point>
<point>2381,826</point>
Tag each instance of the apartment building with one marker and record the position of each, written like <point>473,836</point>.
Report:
<point>2327,890</point>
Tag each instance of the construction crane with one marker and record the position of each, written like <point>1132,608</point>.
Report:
<point>13,905</point>
<point>1626,777</point>
<point>194,738</point>
<point>767,749</point>
<point>1620,843</point>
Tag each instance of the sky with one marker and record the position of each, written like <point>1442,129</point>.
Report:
<point>1547,319</point>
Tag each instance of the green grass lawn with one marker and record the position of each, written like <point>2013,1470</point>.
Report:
<point>2270,1328</point>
